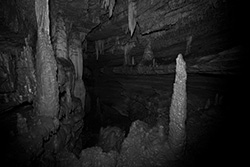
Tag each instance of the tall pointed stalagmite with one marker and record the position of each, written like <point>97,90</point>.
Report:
<point>178,108</point>
<point>47,100</point>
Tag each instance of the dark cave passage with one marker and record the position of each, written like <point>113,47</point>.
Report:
<point>112,83</point>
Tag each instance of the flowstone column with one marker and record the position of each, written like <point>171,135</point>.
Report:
<point>75,54</point>
<point>65,67</point>
<point>178,108</point>
<point>47,103</point>
<point>60,38</point>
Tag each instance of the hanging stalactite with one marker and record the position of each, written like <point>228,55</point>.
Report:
<point>131,16</point>
<point>109,4</point>
<point>99,48</point>
<point>126,49</point>
<point>188,47</point>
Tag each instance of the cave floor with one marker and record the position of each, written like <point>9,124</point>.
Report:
<point>207,123</point>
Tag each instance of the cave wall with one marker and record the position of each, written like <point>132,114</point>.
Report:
<point>122,55</point>
<point>204,32</point>
<point>33,103</point>
<point>208,35</point>
<point>19,16</point>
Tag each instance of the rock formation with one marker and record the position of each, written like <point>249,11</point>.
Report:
<point>178,108</point>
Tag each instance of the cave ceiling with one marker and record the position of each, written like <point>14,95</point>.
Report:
<point>115,28</point>
<point>165,23</point>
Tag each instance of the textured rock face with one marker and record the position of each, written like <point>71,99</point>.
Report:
<point>47,88</point>
<point>60,38</point>
<point>26,74</point>
<point>75,54</point>
<point>6,74</point>
<point>95,157</point>
<point>144,146</point>
<point>80,91</point>
<point>111,138</point>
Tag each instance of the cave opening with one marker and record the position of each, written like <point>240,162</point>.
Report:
<point>121,83</point>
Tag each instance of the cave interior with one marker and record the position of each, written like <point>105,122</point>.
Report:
<point>106,83</point>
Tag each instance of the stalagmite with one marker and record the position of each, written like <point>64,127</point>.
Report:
<point>46,103</point>
<point>178,108</point>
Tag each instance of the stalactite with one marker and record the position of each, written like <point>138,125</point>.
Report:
<point>126,49</point>
<point>110,4</point>
<point>47,102</point>
<point>99,48</point>
<point>178,108</point>
<point>188,47</point>
<point>131,16</point>
<point>111,7</point>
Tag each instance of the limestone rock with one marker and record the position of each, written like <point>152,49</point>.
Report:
<point>178,108</point>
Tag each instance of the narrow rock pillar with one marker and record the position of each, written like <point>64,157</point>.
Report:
<point>178,108</point>
<point>47,102</point>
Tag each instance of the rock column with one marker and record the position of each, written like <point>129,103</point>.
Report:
<point>47,87</point>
